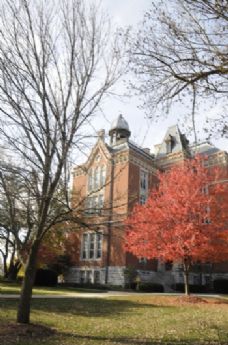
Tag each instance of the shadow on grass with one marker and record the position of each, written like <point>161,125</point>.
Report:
<point>82,306</point>
<point>135,341</point>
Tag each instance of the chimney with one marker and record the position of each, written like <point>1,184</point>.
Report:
<point>147,150</point>
<point>101,134</point>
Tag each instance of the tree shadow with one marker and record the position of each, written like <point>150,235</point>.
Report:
<point>88,307</point>
<point>134,341</point>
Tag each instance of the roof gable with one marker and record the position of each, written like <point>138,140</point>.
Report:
<point>173,142</point>
<point>99,148</point>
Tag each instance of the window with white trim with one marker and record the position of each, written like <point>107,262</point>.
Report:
<point>85,245</point>
<point>102,176</point>
<point>91,247</point>
<point>96,178</point>
<point>143,180</point>
<point>143,260</point>
<point>90,180</point>
<point>100,202</point>
<point>82,277</point>
<point>143,192</point>
<point>97,277</point>
<point>142,199</point>
<point>86,276</point>
<point>99,245</point>
<point>94,204</point>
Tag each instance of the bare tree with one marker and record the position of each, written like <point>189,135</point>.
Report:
<point>11,221</point>
<point>57,62</point>
<point>180,53</point>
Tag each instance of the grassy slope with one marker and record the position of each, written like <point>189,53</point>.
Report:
<point>124,320</point>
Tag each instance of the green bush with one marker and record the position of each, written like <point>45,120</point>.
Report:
<point>221,285</point>
<point>150,287</point>
<point>45,277</point>
<point>192,288</point>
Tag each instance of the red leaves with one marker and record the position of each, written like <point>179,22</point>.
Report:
<point>180,219</point>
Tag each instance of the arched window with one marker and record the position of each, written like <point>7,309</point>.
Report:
<point>102,176</point>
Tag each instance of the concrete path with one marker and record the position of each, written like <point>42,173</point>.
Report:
<point>104,295</point>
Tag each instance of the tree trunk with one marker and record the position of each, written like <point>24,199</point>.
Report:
<point>23,313</point>
<point>186,283</point>
<point>5,268</point>
<point>13,270</point>
<point>186,278</point>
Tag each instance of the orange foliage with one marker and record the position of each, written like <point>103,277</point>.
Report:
<point>184,219</point>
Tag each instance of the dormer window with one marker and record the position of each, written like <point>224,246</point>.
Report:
<point>170,143</point>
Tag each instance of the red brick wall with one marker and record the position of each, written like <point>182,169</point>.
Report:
<point>125,192</point>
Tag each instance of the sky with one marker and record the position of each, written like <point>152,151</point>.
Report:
<point>144,132</point>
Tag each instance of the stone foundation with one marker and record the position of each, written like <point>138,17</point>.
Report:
<point>116,276</point>
<point>95,275</point>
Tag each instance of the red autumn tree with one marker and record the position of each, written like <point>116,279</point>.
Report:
<point>184,220</point>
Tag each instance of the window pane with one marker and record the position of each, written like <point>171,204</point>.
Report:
<point>85,242</point>
<point>89,277</point>
<point>142,199</point>
<point>90,181</point>
<point>100,201</point>
<point>96,178</point>
<point>143,181</point>
<point>87,205</point>
<point>143,260</point>
<point>97,278</point>
<point>92,246</point>
<point>99,245</point>
<point>143,187</point>
<point>82,277</point>
<point>103,175</point>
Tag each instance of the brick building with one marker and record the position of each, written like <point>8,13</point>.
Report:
<point>116,176</point>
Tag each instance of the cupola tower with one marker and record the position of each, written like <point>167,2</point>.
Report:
<point>119,131</point>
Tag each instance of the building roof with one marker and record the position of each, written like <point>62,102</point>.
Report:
<point>180,142</point>
<point>120,123</point>
<point>204,148</point>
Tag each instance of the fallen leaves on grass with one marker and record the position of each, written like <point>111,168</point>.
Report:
<point>11,333</point>
<point>189,299</point>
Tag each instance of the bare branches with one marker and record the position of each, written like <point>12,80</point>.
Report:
<point>48,70</point>
<point>182,49</point>
<point>57,62</point>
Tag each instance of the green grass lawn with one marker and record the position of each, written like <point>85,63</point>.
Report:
<point>128,320</point>
<point>14,288</point>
